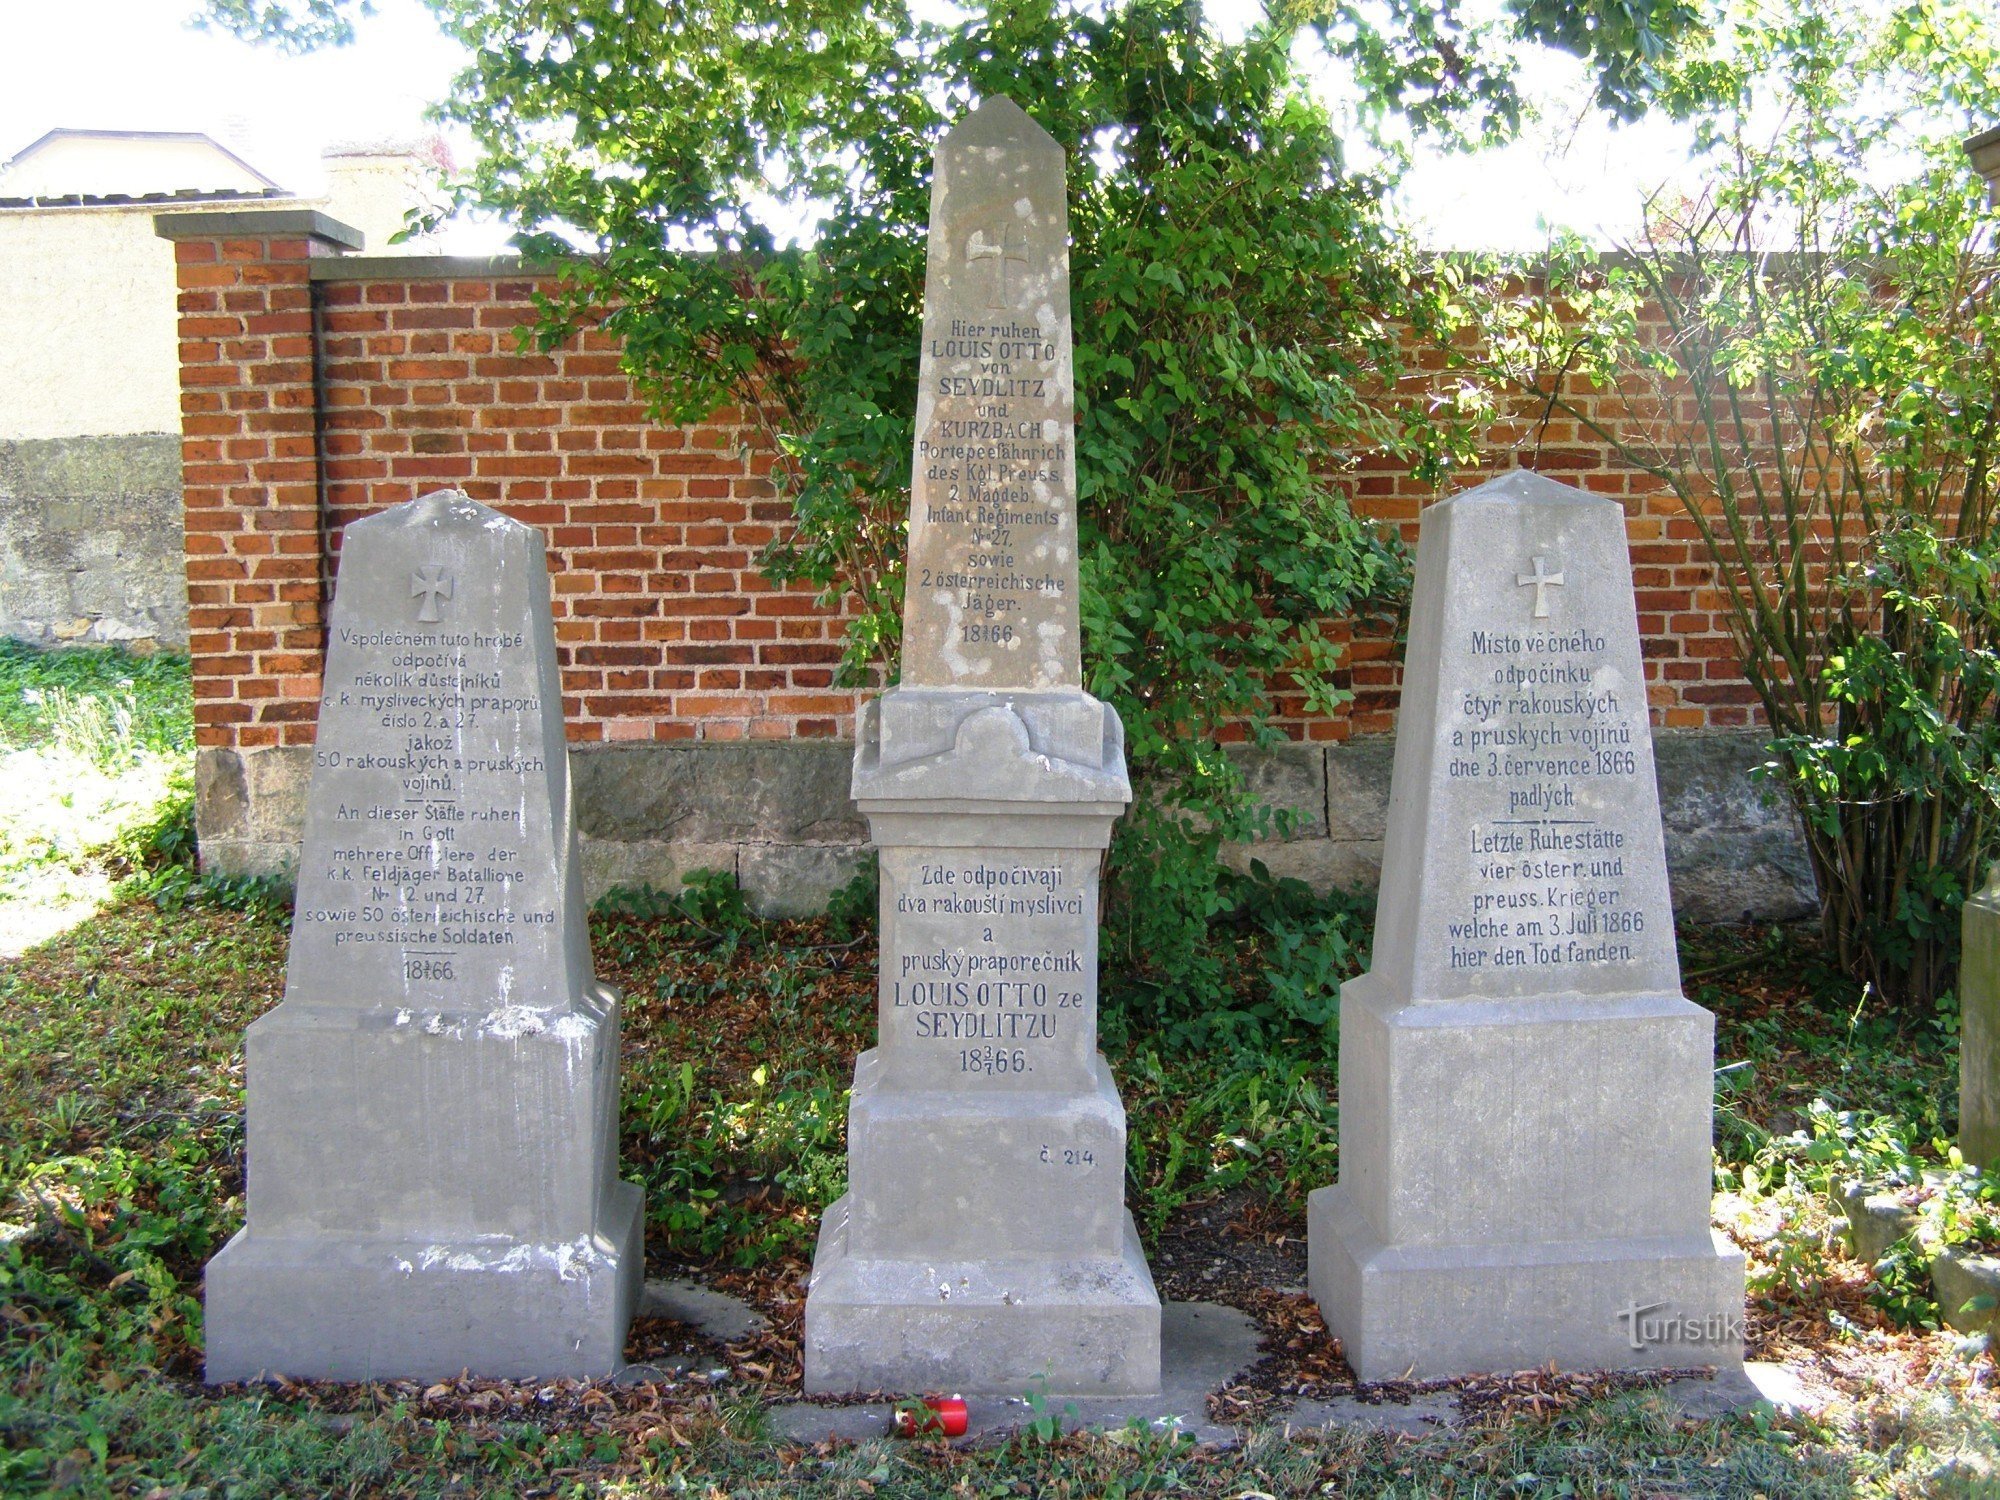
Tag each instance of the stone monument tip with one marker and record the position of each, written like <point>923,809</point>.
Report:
<point>999,121</point>
<point>441,506</point>
<point>1526,484</point>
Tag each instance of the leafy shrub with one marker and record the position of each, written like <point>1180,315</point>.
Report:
<point>710,907</point>
<point>1266,965</point>
<point>1840,463</point>
<point>104,704</point>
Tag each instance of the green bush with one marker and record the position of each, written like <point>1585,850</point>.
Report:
<point>1832,314</point>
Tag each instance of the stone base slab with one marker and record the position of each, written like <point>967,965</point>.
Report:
<point>1431,1311</point>
<point>951,1174</point>
<point>388,1122</point>
<point>1556,1117</point>
<point>374,1309</point>
<point>1078,1327</point>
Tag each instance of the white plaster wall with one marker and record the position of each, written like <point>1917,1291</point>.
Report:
<point>89,340</point>
<point>88,336</point>
<point>372,193</point>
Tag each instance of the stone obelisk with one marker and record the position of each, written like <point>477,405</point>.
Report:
<point>1525,1094</point>
<point>433,1107</point>
<point>984,1244</point>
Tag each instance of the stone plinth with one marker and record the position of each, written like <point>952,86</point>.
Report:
<point>433,1108</point>
<point>1525,1093</point>
<point>984,1243</point>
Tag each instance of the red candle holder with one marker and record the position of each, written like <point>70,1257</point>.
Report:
<point>942,1416</point>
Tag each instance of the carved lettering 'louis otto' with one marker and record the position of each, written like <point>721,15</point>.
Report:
<point>1011,250</point>
<point>1543,580</point>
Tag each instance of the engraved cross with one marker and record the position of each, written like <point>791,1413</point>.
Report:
<point>430,583</point>
<point>1543,580</point>
<point>977,249</point>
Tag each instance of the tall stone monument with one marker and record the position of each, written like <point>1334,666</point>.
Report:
<point>1979,1027</point>
<point>1525,1094</point>
<point>984,1244</point>
<point>433,1108</point>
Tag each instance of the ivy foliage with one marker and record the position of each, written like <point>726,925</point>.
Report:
<point>750,181</point>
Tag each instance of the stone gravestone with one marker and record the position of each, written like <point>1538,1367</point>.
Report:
<point>1979,1027</point>
<point>983,1243</point>
<point>433,1108</point>
<point>1525,1094</point>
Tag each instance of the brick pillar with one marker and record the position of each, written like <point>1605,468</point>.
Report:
<point>250,471</point>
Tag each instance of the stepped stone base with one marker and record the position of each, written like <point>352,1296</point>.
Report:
<point>1423,1311</point>
<point>380,1309</point>
<point>1082,1327</point>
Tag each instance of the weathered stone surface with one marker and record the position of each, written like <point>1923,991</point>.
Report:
<point>1967,1286</point>
<point>778,793</point>
<point>1525,1094</point>
<point>1734,854</point>
<point>1876,1219</point>
<point>1290,780</point>
<point>432,1131</point>
<point>795,880</point>
<point>1357,789</point>
<point>656,864</point>
<point>90,541</point>
<point>993,1323</point>
<point>250,806</point>
<point>983,1244</point>
<point>1979,1028</point>
<point>991,598</point>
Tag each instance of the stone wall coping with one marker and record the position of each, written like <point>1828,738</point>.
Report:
<point>419,267</point>
<point>269,223</point>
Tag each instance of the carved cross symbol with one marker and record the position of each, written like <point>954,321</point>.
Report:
<point>1543,580</point>
<point>430,583</point>
<point>977,249</point>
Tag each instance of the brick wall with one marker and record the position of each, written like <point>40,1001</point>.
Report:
<point>666,629</point>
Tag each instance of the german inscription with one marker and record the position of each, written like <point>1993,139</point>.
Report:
<point>990,594</point>
<point>428,869</point>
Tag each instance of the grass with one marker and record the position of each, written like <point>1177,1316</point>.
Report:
<point>120,1086</point>
<point>120,1173</point>
<point>94,746</point>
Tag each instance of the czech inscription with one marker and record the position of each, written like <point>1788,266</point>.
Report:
<point>1543,760</point>
<point>991,972</point>
<point>433,840</point>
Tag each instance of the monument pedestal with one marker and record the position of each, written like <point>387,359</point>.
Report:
<point>983,1244</point>
<point>1556,1219</point>
<point>430,1192</point>
<point>1525,1094</point>
<point>432,1110</point>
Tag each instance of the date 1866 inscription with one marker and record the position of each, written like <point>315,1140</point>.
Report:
<point>1537,751</point>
